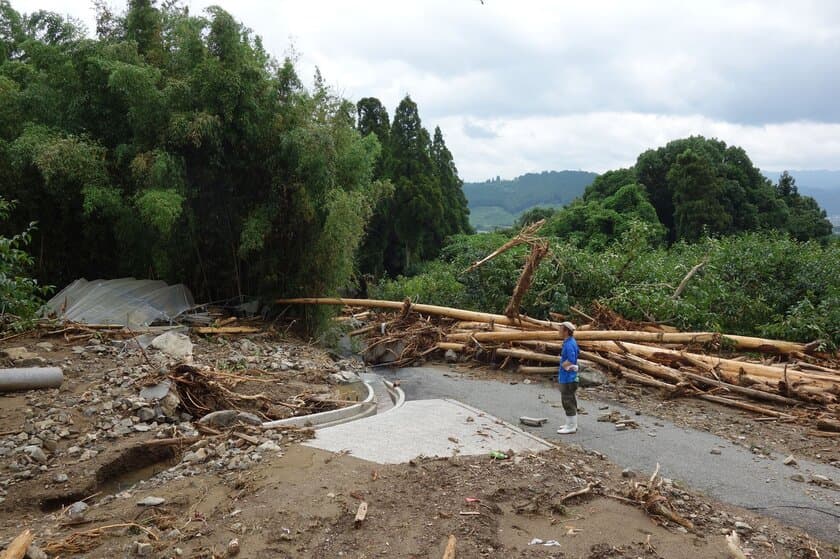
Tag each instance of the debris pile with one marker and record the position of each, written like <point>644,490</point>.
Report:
<point>120,403</point>
<point>779,379</point>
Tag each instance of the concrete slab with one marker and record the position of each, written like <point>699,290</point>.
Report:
<point>437,428</point>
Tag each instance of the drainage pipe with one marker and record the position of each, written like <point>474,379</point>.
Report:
<point>29,378</point>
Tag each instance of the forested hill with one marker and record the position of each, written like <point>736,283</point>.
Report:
<point>497,203</point>
<point>824,186</point>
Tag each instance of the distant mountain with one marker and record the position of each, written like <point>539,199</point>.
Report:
<point>823,186</point>
<point>497,203</point>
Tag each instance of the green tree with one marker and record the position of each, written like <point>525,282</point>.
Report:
<point>456,217</point>
<point>173,146</point>
<point>697,197</point>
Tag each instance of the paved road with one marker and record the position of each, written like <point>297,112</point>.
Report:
<point>736,475</point>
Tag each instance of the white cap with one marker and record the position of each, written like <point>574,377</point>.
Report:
<point>568,326</point>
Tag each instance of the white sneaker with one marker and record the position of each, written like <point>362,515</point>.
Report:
<point>570,426</point>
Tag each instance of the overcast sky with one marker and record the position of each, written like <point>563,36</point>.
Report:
<point>520,86</point>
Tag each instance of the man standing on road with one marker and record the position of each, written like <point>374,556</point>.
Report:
<point>568,377</point>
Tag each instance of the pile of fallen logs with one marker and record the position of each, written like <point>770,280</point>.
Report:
<point>774,378</point>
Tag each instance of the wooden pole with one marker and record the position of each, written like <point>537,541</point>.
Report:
<point>730,365</point>
<point>739,342</point>
<point>449,552</point>
<point>524,354</point>
<point>17,549</point>
<point>626,373</point>
<point>458,314</point>
<point>525,370</point>
<point>649,366</point>
<point>745,406</point>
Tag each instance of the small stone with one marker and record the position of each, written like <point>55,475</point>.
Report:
<point>151,501</point>
<point>743,528</point>
<point>269,446</point>
<point>22,357</point>
<point>142,549</point>
<point>248,418</point>
<point>141,427</point>
<point>77,510</point>
<point>87,455</point>
<point>450,356</point>
<point>60,478</point>
<point>627,472</point>
<point>146,414</point>
<point>199,455</point>
<point>156,391</point>
<point>174,534</point>
<point>35,453</point>
<point>45,346</point>
<point>35,552</point>
<point>715,451</point>
<point>790,461</point>
<point>233,547</point>
<point>221,418</point>
<point>591,377</point>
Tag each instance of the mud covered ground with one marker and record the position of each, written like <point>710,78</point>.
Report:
<point>302,504</point>
<point>275,497</point>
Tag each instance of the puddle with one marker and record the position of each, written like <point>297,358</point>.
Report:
<point>350,392</point>
<point>134,464</point>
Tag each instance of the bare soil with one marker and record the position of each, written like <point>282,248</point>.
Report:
<point>296,501</point>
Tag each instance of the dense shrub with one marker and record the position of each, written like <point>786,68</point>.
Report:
<point>20,295</point>
<point>753,283</point>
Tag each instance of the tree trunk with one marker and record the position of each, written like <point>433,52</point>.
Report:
<point>458,314</point>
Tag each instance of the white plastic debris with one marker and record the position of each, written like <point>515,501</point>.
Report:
<point>174,344</point>
<point>126,301</point>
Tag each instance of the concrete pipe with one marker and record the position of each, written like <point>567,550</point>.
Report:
<point>29,378</point>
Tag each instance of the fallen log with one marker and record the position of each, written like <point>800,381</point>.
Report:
<point>682,375</point>
<point>739,342</point>
<point>745,406</point>
<point>729,365</point>
<point>17,549</point>
<point>526,370</point>
<point>460,348</point>
<point>828,425</point>
<point>653,369</point>
<point>624,372</point>
<point>539,249</point>
<point>222,330</point>
<point>525,355</point>
<point>449,312</point>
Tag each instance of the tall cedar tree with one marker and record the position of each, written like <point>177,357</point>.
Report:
<point>428,203</point>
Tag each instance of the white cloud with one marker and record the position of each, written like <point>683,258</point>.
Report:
<point>540,84</point>
<point>608,140</point>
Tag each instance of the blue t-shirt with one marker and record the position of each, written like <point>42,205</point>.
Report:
<point>570,354</point>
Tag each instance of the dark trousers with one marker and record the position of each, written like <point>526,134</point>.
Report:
<point>567,397</point>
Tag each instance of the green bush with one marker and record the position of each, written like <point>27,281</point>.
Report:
<point>435,285</point>
<point>20,295</point>
<point>761,283</point>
